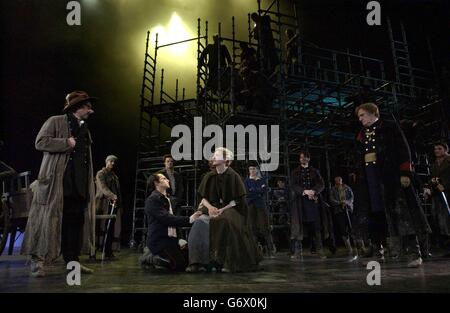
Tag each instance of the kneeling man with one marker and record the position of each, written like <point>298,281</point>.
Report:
<point>162,238</point>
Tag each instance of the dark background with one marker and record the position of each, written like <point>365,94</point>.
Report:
<point>42,59</point>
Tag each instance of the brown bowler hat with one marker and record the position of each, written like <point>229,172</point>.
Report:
<point>77,97</point>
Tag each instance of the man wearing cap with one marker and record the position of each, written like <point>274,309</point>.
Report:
<point>108,192</point>
<point>62,209</point>
<point>258,214</point>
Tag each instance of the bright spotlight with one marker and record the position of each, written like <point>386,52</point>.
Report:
<point>175,31</point>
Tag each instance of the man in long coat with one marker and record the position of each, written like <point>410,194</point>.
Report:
<point>108,192</point>
<point>62,209</point>
<point>385,172</point>
<point>231,245</point>
<point>309,213</point>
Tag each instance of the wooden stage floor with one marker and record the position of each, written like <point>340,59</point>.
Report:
<point>279,275</point>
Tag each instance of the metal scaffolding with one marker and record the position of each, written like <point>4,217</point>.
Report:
<point>314,103</point>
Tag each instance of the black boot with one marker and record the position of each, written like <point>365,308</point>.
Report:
<point>270,246</point>
<point>415,259</point>
<point>292,247</point>
<point>298,249</point>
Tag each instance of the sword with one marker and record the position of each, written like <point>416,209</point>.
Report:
<point>113,206</point>
<point>444,197</point>
<point>348,219</point>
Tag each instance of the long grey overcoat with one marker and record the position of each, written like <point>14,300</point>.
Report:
<point>43,230</point>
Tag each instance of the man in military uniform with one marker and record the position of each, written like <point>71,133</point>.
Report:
<point>385,165</point>
<point>307,212</point>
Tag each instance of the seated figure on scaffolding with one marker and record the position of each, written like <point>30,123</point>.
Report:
<point>292,61</point>
<point>258,214</point>
<point>217,60</point>
<point>385,187</point>
<point>248,57</point>
<point>220,239</point>
<point>253,91</point>
<point>257,93</point>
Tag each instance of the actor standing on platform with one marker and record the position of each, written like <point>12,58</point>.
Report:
<point>307,212</point>
<point>108,192</point>
<point>176,190</point>
<point>162,238</point>
<point>62,209</point>
<point>440,193</point>
<point>385,164</point>
<point>258,215</point>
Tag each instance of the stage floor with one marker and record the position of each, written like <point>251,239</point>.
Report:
<point>279,275</point>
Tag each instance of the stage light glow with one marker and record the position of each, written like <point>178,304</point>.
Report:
<point>90,3</point>
<point>174,31</point>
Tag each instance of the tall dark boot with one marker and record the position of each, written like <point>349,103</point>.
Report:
<point>298,249</point>
<point>424,244</point>
<point>445,244</point>
<point>370,249</point>
<point>380,252</point>
<point>332,245</point>
<point>319,246</point>
<point>348,246</point>
<point>292,247</point>
<point>414,247</point>
<point>361,249</point>
<point>395,247</point>
<point>270,246</point>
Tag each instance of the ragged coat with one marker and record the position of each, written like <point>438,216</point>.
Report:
<point>43,231</point>
<point>108,185</point>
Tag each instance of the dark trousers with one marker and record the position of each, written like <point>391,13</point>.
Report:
<point>102,228</point>
<point>378,228</point>
<point>178,258</point>
<point>72,228</point>
<point>342,224</point>
<point>312,229</point>
<point>110,238</point>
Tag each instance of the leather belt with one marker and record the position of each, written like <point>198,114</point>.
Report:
<point>370,157</point>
